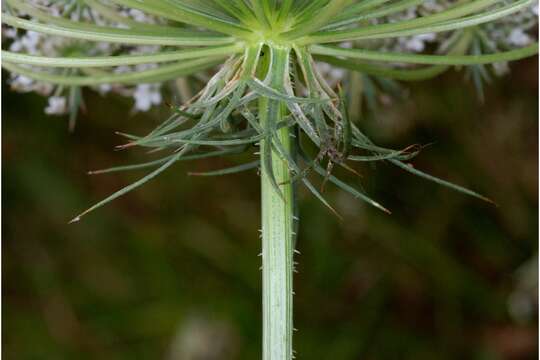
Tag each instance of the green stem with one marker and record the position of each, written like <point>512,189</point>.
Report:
<point>76,30</point>
<point>313,23</point>
<point>119,60</point>
<point>159,74</point>
<point>426,59</point>
<point>277,223</point>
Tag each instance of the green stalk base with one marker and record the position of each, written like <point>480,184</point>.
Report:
<point>277,224</point>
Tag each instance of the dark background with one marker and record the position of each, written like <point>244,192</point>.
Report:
<point>171,271</point>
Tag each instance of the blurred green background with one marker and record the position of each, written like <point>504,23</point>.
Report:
<point>171,271</point>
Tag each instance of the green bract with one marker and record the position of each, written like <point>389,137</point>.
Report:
<point>268,92</point>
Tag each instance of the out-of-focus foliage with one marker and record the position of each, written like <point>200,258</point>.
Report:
<point>171,271</point>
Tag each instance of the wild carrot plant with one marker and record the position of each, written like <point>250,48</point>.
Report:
<point>269,91</point>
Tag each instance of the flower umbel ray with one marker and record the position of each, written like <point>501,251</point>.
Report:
<point>266,91</point>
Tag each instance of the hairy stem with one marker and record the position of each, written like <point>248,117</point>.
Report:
<point>277,223</point>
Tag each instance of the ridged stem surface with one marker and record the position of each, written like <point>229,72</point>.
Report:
<point>277,224</point>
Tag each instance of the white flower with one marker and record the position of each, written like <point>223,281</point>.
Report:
<point>30,41</point>
<point>518,37</point>
<point>433,6</point>
<point>21,83</point>
<point>137,15</point>
<point>337,73</point>
<point>417,43</point>
<point>9,33</point>
<point>501,68</point>
<point>57,105</point>
<point>147,95</point>
<point>104,88</point>
<point>122,69</point>
<point>43,89</point>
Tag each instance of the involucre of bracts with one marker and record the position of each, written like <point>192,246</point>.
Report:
<point>287,51</point>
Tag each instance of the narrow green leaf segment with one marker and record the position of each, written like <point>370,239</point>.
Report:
<point>277,222</point>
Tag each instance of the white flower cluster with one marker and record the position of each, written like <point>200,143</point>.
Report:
<point>517,30</point>
<point>34,43</point>
<point>508,32</point>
